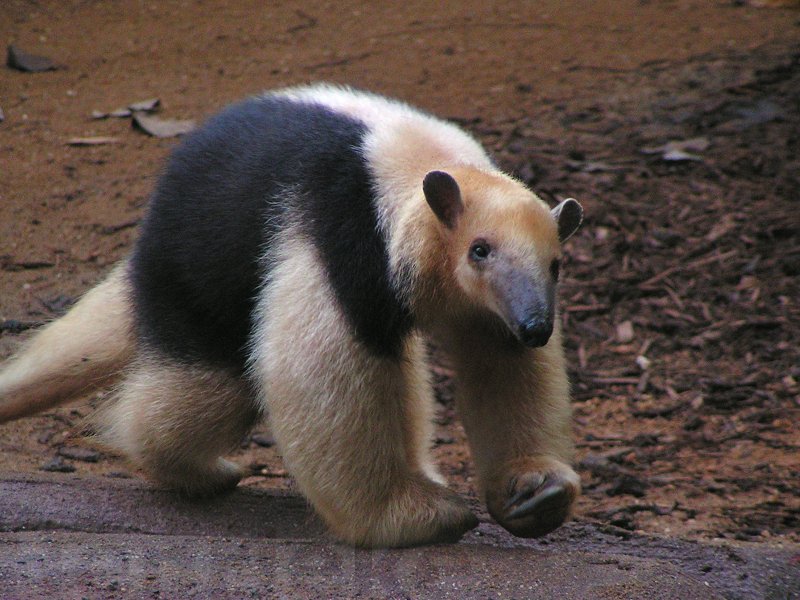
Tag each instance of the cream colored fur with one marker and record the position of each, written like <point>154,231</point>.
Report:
<point>175,422</point>
<point>353,428</point>
<point>84,350</point>
<point>516,411</point>
<point>514,402</point>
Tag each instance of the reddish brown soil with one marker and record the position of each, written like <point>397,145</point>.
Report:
<point>692,265</point>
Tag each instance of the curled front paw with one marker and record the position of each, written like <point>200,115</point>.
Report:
<point>536,500</point>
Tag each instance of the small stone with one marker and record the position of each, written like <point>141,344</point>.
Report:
<point>46,436</point>
<point>601,234</point>
<point>625,333</point>
<point>59,304</point>
<point>78,453</point>
<point>20,60</point>
<point>57,465</point>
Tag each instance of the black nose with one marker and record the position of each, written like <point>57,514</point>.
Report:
<point>535,332</point>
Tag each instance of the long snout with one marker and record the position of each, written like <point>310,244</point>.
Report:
<point>528,307</point>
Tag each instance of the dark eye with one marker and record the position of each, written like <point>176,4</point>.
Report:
<point>479,250</point>
<point>555,268</point>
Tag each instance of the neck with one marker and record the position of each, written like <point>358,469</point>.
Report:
<point>418,256</point>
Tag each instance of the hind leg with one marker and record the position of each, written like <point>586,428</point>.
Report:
<point>176,422</point>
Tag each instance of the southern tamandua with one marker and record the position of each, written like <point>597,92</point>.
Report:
<point>298,250</point>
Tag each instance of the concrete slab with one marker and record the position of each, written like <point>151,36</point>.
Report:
<point>67,537</point>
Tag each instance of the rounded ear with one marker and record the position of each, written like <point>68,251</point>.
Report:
<point>569,216</point>
<point>443,196</point>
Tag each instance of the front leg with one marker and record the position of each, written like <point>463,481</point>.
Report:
<point>350,425</point>
<point>515,407</point>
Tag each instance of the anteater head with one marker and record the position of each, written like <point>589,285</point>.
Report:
<point>503,246</point>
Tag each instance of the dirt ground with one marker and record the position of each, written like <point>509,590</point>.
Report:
<point>680,295</point>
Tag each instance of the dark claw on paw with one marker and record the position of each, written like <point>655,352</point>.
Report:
<point>551,498</point>
<point>524,492</point>
<point>535,504</point>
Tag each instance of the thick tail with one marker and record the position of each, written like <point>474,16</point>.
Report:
<point>84,350</point>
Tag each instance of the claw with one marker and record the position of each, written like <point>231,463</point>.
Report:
<point>512,485</point>
<point>526,490</point>
<point>537,501</point>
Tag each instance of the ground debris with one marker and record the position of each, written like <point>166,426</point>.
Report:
<point>773,3</point>
<point>112,229</point>
<point>148,106</point>
<point>58,465</point>
<point>59,304</point>
<point>625,333</point>
<point>79,453</point>
<point>8,264</point>
<point>679,150</point>
<point>628,484</point>
<point>15,326</point>
<point>162,128</point>
<point>18,59</point>
<point>99,140</point>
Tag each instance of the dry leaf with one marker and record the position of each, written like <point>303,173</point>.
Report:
<point>679,150</point>
<point>149,105</point>
<point>162,128</point>
<point>721,228</point>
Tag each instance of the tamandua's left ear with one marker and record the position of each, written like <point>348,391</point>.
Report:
<point>443,196</point>
<point>569,216</point>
